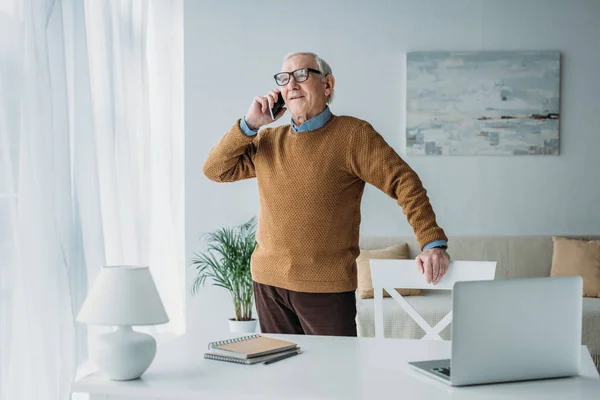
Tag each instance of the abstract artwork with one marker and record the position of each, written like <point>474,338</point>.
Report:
<point>482,103</point>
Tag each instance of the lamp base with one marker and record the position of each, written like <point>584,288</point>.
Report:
<point>124,354</point>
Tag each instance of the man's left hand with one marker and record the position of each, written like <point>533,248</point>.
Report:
<point>433,263</point>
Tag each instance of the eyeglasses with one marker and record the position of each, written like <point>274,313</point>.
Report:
<point>300,75</point>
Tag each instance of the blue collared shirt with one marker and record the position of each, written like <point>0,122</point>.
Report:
<point>310,125</point>
<point>316,123</point>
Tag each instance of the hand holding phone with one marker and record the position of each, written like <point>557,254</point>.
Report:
<point>279,104</point>
<point>258,115</point>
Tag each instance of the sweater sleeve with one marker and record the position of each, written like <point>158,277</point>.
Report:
<point>232,158</point>
<point>374,161</point>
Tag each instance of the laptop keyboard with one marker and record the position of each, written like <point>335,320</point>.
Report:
<point>444,371</point>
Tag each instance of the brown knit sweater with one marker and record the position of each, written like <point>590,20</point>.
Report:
<point>310,186</point>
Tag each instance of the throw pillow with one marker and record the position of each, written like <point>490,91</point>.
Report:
<point>578,257</point>
<point>365,284</point>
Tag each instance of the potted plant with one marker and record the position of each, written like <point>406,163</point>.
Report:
<point>227,263</point>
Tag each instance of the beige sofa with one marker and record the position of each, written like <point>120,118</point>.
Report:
<point>517,256</point>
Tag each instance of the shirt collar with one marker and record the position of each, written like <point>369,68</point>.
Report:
<point>314,123</point>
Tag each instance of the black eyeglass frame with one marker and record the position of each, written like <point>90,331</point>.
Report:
<point>316,71</point>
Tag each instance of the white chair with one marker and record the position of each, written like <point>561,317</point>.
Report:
<point>390,274</point>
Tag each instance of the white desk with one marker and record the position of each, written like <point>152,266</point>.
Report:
<point>329,368</point>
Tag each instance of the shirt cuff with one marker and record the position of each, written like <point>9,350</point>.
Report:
<point>435,243</point>
<point>244,127</point>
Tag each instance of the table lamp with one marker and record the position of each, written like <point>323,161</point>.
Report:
<point>122,296</point>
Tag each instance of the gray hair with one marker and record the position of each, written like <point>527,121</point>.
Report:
<point>321,64</point>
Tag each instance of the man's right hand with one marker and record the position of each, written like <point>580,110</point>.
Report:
<point>258,114</point>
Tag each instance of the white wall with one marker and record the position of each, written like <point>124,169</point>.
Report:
<point>232,49</point>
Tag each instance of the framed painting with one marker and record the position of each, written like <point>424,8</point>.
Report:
<point>482,103</point>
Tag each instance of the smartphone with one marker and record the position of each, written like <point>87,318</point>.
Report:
<point>277,107</point>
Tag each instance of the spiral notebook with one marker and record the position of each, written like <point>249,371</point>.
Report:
<point>249,361</point>
<point>251,346</point>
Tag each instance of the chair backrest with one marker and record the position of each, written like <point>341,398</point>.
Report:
<point>391,274</point>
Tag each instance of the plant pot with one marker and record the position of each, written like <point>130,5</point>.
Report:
<point>242,326</point>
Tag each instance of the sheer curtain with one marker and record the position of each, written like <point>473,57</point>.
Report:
<point>131,157</point>
<point>91,172</point>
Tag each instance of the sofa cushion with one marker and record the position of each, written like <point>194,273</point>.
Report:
<point>573,257</point>
<point>365,284</point>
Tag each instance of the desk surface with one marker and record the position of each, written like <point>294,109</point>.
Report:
<point>328,368</point>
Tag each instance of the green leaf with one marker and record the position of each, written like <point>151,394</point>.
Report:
<point>226,262</point>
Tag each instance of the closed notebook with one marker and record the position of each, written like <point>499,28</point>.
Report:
<point>249,361</point>
<point>250,346</point>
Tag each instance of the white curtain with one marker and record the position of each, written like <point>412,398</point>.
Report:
<point>131,158</point>
<point>91,172</point>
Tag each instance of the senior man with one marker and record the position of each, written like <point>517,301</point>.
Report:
<point>311,176</point>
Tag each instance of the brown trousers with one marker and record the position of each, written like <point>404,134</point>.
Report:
<point>287,312</point>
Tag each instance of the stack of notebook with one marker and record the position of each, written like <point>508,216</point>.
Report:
<point>251,349</point>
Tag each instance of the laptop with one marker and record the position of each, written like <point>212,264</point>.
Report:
<point>512,330</point>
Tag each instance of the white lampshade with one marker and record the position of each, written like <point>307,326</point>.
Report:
<point>123,295</point>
